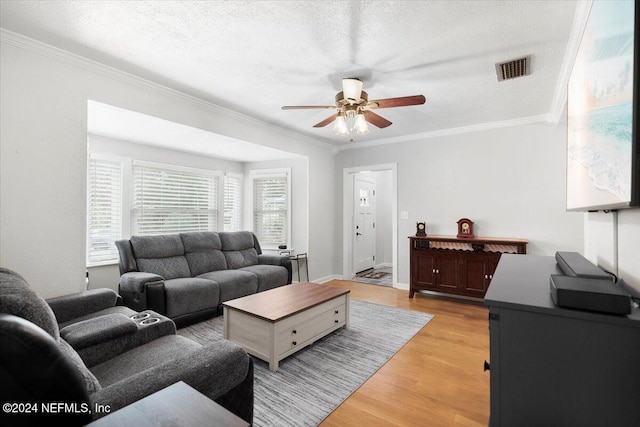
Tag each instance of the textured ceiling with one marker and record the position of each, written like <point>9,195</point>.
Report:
<point>256,56</point>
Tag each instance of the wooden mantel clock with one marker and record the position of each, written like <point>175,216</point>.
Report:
<point>465,228</point>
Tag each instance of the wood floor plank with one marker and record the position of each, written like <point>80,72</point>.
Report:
<point>436,379</point>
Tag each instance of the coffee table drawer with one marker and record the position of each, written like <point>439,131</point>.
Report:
<point>307,330</point>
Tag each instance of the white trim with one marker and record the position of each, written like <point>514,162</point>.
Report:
<point>347,216</point>
<point>199,99</point>
<point>328,278</point>
<point>403,286</point>
<point>544,118</point>
<point>265,173</point>
<point>560,95</point>
<point>177,168</point>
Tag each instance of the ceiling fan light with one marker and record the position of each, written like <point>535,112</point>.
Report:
<point>361,124</point>
<point>352,89</point>
<point>340,125</point>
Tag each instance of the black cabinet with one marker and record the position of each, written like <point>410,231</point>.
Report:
<point>552,366</point>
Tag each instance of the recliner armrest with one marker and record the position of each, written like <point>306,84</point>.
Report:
<point>98,329</point>
<point>225,362</point>
<point>282,261</point>
<point>135,281</point>
<point>68,307</point>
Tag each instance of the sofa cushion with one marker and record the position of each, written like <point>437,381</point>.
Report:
<point>238,248</point>
<point>162,255</point>
<point>203,252</point>
<point>142,358</point>
<point>269,276</point>
<point>189,295</point>
<point>233,283</point>
<point>162,246</point>
<point>17,298</point>
<point>236,240</point>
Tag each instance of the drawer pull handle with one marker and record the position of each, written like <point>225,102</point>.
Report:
<point>295,342</point>
<point>336,321</point>
<point>294,332</point>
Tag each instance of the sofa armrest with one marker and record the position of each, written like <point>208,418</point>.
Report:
<point>136,281</point>
<point>213,370</point>
<point>68,307</point>
<point>143,291</point>
<point>282,261</point>
<point>98,329</point>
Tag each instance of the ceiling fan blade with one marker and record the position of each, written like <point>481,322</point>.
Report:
<point>376,120</point>
<point>397,102</point>
<point>326,121</point>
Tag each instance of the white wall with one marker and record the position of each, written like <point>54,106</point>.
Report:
<point>43,150</point>
<point>510,182</point>
<point>612,241</point>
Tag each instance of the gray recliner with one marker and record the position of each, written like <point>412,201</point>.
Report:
<point>38,365</point>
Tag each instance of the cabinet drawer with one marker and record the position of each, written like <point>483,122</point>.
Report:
<point>309,328</point>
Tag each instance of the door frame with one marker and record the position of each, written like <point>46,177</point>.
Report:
<point>348,216</point>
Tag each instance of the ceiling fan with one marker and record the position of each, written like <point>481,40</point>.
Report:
<point>354,108</point>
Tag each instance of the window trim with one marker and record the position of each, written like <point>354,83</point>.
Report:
<point>269,173</point>
<point>107,158</point>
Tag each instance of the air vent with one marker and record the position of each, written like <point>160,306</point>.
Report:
<point>512,69</point>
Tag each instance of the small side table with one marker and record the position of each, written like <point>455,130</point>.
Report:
<point>298,258</point>
<point>175,406</point>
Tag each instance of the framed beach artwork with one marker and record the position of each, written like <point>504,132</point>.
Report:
<point>603,169</point>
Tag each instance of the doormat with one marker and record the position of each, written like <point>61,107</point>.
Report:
<point>372,274</point>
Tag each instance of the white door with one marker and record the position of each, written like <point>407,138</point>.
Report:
<point>364,209</point>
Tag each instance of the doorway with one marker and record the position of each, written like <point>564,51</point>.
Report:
<point>370,223</point>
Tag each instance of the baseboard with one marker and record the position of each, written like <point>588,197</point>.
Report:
<point>329,278</point>
<point>403,286</point>
<point>384,265</point>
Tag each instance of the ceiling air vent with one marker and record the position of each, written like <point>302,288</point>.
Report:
<point>515,68</point>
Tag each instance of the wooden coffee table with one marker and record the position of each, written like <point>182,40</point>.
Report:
<point>274,324</point>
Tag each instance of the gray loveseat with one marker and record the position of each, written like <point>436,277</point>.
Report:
<point>187,276</point>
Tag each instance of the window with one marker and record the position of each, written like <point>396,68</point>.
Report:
<point>232,198</point>
<point>104,209</point>
<point>127,196</point>
<point>271,207</point>
<point>172,200</point>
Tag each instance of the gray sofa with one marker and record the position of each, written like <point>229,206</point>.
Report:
<point>187,276</point>
<point>42,358</point>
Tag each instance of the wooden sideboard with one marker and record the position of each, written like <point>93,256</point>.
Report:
<point>457,266</point>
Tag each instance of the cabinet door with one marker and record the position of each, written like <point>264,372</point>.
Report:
<point>423,269</point>
<point>446,268</point>
<point>476,275</point>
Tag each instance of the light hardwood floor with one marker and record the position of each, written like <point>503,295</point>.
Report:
<point>436,379</point>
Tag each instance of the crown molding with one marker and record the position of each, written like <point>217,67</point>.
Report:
<point>61,55</point>
<point>575,37</point>
<point>544,118</point>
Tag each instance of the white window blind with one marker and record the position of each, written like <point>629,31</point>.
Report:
<point>270,209</point>
<point>232,199</point>
<point>167,201</point>
<point>104,210</point>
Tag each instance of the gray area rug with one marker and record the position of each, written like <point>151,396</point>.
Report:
<point>311,383</point>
